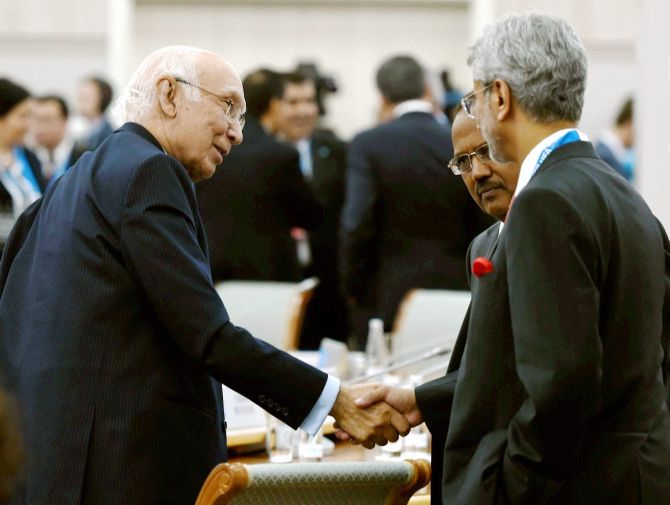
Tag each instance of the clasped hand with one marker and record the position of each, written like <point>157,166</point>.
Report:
<point>370,414</point>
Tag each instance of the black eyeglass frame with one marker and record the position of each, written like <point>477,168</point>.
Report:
<point>482,153</point>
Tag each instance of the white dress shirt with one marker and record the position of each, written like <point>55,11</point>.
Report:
<point>530,162</point>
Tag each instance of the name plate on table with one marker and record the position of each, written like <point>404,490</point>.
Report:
<point>241,413</point>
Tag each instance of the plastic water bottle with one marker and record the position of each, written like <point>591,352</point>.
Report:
<point>375,349</point>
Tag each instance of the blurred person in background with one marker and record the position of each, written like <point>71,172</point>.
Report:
<point>452,95</point>
<point>93,99</point>
<point>259,194</point>
<point>616,145</point>
<point>21,181</point>
<point>323,164</point>
<point>407,221</point>
<point>53,146</point>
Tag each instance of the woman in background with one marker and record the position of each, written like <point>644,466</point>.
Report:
<point>21,180</point>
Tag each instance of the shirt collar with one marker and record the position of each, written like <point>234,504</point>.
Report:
<point>416,105</point>
<point>531,159</point>
<point>303,145</point>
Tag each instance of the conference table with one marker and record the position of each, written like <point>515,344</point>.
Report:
<point>247,426</point>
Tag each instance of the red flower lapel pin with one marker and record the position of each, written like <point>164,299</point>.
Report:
<point>481,266</point>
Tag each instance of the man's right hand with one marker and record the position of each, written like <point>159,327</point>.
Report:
<point>402,400</point>
<point>376,425</point>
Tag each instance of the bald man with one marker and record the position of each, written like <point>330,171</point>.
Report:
<point>114,339</point>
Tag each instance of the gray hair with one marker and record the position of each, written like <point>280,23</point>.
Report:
<point>139,96</point>
<point>401,78</point>
<point>542,60</point>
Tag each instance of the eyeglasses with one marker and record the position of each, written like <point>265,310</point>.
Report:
<point>468,101</point>
<point>463,164</point>
<point>230,109</point>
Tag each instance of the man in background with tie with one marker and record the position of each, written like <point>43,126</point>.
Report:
<point>53,146</point>
<point>322,163</point>
<point>261,194</point>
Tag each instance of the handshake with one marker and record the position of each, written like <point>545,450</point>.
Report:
<point>370,414</point>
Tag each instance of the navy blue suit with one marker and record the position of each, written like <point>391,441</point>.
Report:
<point>407,220</point>
<point>114,339</point>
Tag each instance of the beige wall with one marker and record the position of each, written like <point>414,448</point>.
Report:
<point>47,45</point>
<point>345,40</point>
<point>653,108</point>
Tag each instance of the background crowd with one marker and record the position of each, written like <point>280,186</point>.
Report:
<point>351,214</point>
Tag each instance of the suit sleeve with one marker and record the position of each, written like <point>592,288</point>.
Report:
<point>358,234</point>
<point>552,265</point>
<point>158,233</point>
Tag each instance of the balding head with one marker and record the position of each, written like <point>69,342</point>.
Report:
<point>140,94</point>
<point>191,101</point>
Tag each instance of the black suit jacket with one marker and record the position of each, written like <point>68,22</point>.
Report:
<point>327,311</point>
<point>407,220</point>
<point>115,341</point>
<point>249,206</point>
<point>559,394</point>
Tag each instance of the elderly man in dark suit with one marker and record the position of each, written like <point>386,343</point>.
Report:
<point>114,340</point>
<point>555,391</point>
<point>407,221</point>
<point>259,195</point>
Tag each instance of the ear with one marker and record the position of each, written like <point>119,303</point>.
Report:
<point>501,93</point>
<point>167,92</point>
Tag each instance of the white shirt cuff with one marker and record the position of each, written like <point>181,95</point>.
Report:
<point>322,407</point>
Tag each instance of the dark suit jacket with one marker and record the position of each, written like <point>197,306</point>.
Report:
<point>407,220</point>
<point>249,207</point>
<point>559,397</point>
<point>114,339</point>
<point>327,312</point>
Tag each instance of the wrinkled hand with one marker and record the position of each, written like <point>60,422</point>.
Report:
<point>376,425</point>
<point>402,400</point>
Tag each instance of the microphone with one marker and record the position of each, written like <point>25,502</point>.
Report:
<point>398,364</point>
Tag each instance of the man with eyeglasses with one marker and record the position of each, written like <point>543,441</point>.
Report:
<point>557,391</point>
<point>490,184</point>
<point>114,340</point>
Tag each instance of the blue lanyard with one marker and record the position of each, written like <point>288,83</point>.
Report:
<point>571,136</point>
<point>26,171</point>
